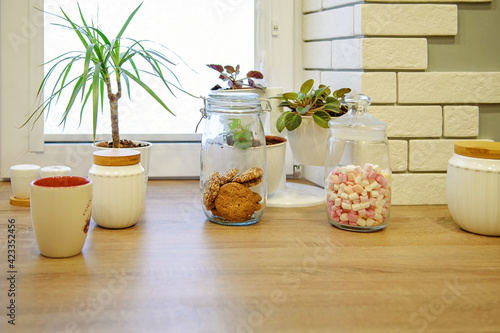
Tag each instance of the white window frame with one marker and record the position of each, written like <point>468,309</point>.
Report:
<point>21,53</point>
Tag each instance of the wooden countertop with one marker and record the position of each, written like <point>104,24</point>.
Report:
<point>291,272</point>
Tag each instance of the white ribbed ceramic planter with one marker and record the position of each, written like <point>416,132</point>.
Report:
<point>473,193</point>
<point>119,194</point>
<point>308,142</point>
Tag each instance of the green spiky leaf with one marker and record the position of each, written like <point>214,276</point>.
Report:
<point>95,98</point>
<point>102,59</point>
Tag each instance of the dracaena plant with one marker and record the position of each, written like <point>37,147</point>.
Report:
<point>229,74</point>
<point>104,60</point>
<point>310,102</point>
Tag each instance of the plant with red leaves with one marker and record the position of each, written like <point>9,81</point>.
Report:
<point>230,74</point>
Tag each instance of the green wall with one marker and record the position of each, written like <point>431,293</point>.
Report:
<point>476,48</point>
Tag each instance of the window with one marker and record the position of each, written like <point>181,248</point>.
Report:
<point>198,31</point>
<point>21,53</point>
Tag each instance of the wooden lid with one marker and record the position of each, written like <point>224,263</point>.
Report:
<point>478,149</point>
<point>117,157</point>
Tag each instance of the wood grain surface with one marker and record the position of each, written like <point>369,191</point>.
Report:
<point>292,272</point>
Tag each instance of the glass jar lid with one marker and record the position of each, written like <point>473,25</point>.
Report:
<point>357,123</point>
<point>116,157</point>
<point>233,102</point>
<point>478,149</point>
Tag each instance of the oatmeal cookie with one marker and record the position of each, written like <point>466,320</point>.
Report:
<point>257,198</point>
<point>215,212</point>
<point>236,202</point>
<point>250,174</point>
<point>211,190</point>
<point>228,176</point>
<point>253,182</point>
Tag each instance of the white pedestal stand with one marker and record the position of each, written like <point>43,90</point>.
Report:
<point>290,194</point>
<point>296,195</point>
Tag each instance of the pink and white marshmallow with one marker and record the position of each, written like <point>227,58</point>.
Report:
<point>359,196</point>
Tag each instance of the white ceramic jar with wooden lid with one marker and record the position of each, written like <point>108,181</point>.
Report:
<point>473,186</point>
<point>119,188</point>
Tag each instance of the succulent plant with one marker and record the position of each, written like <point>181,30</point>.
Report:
<point>309,102</point>
<point>230,74</point>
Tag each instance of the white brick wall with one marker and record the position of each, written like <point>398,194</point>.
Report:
<point>407,19</point>
<point>380,49</point>
<point>410,121</point>
<point>347,53</point>
<point>449,87</point>
<point>398,155</point>
<point>311,5</point>
<point>460,121</point>
<point>341,79</point>
<point>419,189</point>
<point>394,53</point>
<point>367,53</point>
<point>337,3</point>
<point>317,55</point>
<point>332,23</point>
<point>427,1</point>
<point>380,86</point>
<point>430,155</point>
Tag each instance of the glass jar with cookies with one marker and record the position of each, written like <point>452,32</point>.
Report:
<point>233,159</point>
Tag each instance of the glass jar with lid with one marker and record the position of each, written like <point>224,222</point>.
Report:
<point>233,159</point>
<point>357,172</point>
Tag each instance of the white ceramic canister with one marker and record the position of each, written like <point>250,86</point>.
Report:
<point>21,176</point>
<point>473,186</point>
<point>56,170</point>
<point>119,188</point>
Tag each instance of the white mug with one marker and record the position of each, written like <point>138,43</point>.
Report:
<point>56,170</point>
<point>60,212</point>
<point>21,176</point>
